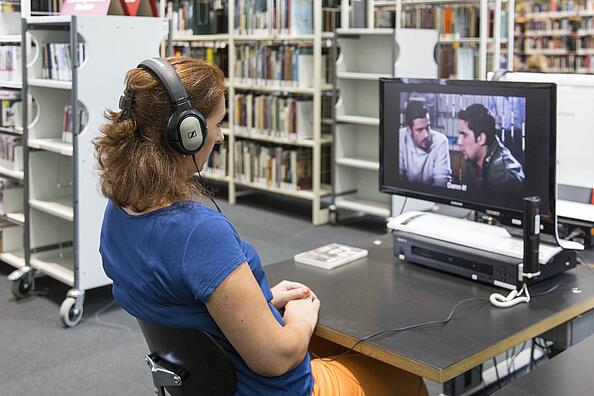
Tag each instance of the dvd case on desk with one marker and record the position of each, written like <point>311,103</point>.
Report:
<point>330,256</point>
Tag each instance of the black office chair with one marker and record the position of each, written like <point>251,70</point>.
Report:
<point>187,362</point>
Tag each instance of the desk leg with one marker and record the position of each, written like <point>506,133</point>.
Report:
<point>464,382</point>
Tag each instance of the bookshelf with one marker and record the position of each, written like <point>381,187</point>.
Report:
<point>561,32</point>
<point>363,60</point>
<point>471,31</point>
<point>11,154</point>
<point>62,207</point>
<point>263,152</point>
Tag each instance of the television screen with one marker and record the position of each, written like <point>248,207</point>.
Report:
<point>477,144</point>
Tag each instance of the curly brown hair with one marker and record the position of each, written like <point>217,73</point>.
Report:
<point>138,168</point>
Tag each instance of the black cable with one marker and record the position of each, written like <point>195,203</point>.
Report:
<point>514,356</point>
<point>433,322</point>
<point>532,353</point>
<point>497,373</point>
<point>583,261</point>
<point>203,184</point>
<point>545,348</point>
<point>400,329</point>
<point>403,206</point>
<point>549,291</point>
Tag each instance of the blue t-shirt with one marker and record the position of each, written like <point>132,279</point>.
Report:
<point>165,265</point>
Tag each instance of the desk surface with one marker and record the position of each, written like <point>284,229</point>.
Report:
<point>380,292</point>
<point>569,373</point>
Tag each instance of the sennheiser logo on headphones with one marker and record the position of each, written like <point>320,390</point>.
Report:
<point>192,134</point>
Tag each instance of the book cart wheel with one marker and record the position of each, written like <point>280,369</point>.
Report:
<point>22,282</point>
<point>333,212</point>
<point>71,310</point>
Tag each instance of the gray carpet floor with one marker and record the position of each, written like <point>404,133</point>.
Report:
<point>104,354</point>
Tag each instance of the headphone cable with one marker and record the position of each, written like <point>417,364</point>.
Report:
<point>203,184</point>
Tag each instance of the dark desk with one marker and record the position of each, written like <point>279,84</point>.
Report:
<point>380,292</point>
<point>569,373</point>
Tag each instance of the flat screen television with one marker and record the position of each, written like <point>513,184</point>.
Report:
<point>481,145</point>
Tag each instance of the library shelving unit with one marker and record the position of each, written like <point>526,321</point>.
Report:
<point>560,31</point>
<point>366,55</point>
<point>236,136</point>
<point>463,25</point>
<point>63,207</point>
<point>11,163</point>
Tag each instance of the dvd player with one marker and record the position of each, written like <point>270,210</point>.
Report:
<point>476,251</point>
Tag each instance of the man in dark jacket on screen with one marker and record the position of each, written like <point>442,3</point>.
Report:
<point>489,165</point>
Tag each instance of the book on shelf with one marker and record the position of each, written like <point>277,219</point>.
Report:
<point>453,20</point>
<point>67,135</point>
<point>9,100</point>
<point>218,162</point>
<point>330,15</point>
<point>331,256</point>
<point>198,17</point>
<point>270,166</point>
<point>11,152</point>
<point>280,65</point>
<point>276,166</point>
<point>357,14</point>
<point>465,63</point>
<point>270,17</point>
<point>273,116</point>
<point>46,7</point>
<point>10,63</point>
<point>56,60</point>
<point>213,53</point>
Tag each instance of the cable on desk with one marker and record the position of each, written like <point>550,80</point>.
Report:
<point>549,291</point>
<point>430,323</point>
<point>400,329</point>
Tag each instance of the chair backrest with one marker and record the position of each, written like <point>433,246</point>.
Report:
<point>208,369</point>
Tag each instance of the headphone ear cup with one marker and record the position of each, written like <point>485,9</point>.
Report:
<point>191,133</point>
<point>173,135</point>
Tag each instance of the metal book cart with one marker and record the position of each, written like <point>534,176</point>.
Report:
<point>63,205</point>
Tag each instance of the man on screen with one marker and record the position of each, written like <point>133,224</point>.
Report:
<point>424,153</point>
<point>489,165</point>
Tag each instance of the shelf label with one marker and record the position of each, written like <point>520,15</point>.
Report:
<point>85,7</point>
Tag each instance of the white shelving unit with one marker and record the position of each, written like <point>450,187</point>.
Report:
<point>12,211</point>
<point>316,41</point>
<point>63,208</point>
<point>366,55</point>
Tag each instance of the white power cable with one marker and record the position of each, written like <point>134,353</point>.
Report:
<point>513,298</point>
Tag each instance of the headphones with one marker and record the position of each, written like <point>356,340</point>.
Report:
<point>186,128</point>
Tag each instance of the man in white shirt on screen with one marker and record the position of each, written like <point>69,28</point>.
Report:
<point>424,153</point>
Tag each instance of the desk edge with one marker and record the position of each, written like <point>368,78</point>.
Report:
<point>443,375</point>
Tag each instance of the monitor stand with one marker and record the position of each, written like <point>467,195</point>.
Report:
<point>478,251</point>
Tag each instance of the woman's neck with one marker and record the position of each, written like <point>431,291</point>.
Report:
<point>158,206</point>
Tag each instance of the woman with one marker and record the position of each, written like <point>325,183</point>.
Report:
<point>178,263</point>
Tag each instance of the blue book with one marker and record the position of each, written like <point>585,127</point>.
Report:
<point>301,17</point>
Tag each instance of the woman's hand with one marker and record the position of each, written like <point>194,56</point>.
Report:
<point>287,291</point>
<point>303,310</point>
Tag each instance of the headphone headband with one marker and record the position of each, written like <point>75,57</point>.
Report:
<point>169,77</point>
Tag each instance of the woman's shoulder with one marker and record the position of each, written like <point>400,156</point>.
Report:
<point>198,216</point>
